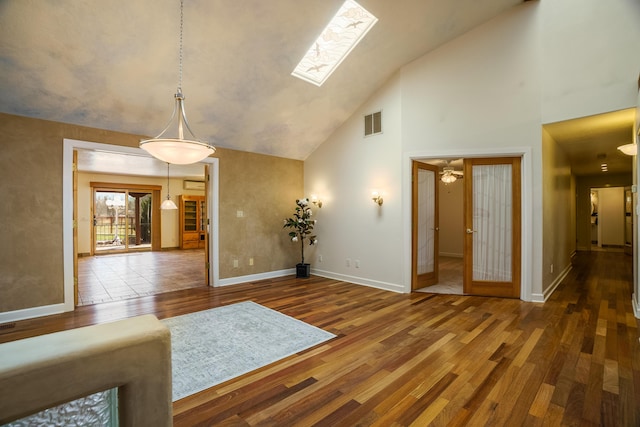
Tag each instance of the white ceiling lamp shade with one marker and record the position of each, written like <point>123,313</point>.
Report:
<point>629,149</point>
<point>177,143</point>
<point>168,204</point>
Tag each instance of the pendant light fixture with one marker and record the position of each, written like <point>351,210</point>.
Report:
<point>168,204</point>
<point>629,149</point>
<point>177,143</point>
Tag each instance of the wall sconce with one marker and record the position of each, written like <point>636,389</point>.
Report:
<point>316,201</point>
<point>377,198</point>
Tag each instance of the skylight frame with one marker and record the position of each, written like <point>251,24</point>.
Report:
<point>341,35</point>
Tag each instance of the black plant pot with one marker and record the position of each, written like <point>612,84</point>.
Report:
<point>303,270</point>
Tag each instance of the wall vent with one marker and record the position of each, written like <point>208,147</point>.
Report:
<point>373,123</point>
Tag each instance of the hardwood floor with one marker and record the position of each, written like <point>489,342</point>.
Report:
<point>421,359</point>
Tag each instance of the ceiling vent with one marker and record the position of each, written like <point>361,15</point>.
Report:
<point>373,123</point>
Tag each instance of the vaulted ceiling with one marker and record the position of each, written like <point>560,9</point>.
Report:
<point>114,64</point>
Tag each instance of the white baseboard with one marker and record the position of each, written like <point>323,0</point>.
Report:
<point>30,313</point>
<point>393,287</point>
<point>328,274</point>
<point>543,297</point>
<point>253,277</point>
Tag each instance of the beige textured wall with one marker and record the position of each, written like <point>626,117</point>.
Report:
<point>264,188</point>
<point>31,270</point>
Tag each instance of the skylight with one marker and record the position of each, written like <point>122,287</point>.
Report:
<point>345,30</point>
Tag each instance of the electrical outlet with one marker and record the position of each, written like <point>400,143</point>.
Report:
<point>357,263</point>
<point>348,262</point>
<point>240,214</point>
<point>551,269</point>
<point>235,263</point>
<point>251,261</point>
<point>319,258</point>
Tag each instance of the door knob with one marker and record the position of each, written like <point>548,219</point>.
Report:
<point>470,231</point>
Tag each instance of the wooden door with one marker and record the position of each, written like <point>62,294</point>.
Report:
<point>492,240</point>
<point>424,225</point>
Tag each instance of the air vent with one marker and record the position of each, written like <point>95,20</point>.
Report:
<point>373,123</point>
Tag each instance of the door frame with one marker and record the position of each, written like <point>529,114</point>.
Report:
<point>527,241</point>
<point>154,190</point>
<point>71,145</point>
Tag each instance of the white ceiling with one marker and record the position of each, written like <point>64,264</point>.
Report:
<point>591,141</point>
<point>114,65</point>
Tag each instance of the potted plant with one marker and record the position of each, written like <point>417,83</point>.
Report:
<point>301,226</point>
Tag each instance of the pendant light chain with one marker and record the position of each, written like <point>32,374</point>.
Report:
<point>181,146</point>
<point>180,55</point>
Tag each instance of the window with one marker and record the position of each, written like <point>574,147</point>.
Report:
<point>345,30</point>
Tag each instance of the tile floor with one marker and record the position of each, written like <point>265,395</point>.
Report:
<point>106,278</point>
<point>449,277</point>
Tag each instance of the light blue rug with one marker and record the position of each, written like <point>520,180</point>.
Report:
<point>212,346</point>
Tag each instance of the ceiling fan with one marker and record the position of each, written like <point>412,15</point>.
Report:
<point>449,174</point>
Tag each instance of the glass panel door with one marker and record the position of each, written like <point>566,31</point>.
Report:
<point>121,220</point>
<point>492,225</point>
<point>425,225</point>
<point>109,220</point>
<point>492,221</point>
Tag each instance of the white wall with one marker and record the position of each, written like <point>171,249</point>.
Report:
<point>485,93</point>
<point>591,57</point>
<point>343,172</point>
<point>477,96</point>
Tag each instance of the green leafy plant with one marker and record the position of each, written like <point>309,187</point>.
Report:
<point>301,225</point>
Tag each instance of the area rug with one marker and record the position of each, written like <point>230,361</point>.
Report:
<point>212,346</point>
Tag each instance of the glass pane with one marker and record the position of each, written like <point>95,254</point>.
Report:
<point>426,221</point>
<point>492,225</point>
<point>110,220</point>
<point>139,220</point>
<point>145,219</point>
<point>99,409</point>
<point>190,215</point>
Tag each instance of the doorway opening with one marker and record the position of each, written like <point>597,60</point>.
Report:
<point>611,220</point>
<point>467,242</point>
<point>159,265</point>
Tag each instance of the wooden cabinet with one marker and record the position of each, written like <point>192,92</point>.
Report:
<point>193,222</point>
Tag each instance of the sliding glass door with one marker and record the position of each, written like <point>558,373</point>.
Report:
<point>121,220</point>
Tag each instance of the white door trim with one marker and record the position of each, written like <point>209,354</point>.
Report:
<point>69,145</point>
<point>526,284</point>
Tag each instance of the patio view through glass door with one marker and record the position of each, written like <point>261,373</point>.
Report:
<point>122,220</point>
